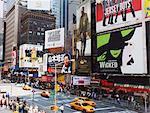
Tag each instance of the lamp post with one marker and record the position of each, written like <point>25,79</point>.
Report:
<point>57,64</point>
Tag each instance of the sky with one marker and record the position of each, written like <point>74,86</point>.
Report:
<point>1,9</point>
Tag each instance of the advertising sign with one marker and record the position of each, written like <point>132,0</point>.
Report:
<point>111,13</point>
<point>30,55</point>
<point>63,59</point>
<point>83,38</point>
<point>147,8</point>
<point>81,80</point>
<point>1,46</point>
<point>54,38</point>
<point>14,56</point>
<point>121,51</point>
<point>38,4</point>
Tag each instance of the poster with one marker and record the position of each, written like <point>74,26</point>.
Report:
<point>54,38</point>
<point>147,8</point>
<point>121,51</point>
<point>30,55</point>
<point>113,13</point>
<point>83,38</point>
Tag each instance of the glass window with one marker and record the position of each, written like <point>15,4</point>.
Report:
<point>38,33</point>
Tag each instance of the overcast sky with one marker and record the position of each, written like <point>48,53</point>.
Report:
<point>1,9</point>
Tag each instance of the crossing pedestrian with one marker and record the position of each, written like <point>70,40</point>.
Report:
<point>62,108</point>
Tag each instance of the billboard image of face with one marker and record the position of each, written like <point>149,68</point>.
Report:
<point>30,55</point>
<point>147,8</point>
<point>114,12</point>
<point>121,51</point>
<point>67,64</point>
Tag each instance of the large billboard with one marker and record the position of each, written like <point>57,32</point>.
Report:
<point>121,51</point>
<point>147,8</point>
<point>54,38</point>
<point>63,59</point>
<point>111,13</point>
<point>30,55</point>
<point>83,38</point>
<point>1,46</point>
<point>38,4</point>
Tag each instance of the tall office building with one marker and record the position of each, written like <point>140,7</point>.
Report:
<point>56,11</point>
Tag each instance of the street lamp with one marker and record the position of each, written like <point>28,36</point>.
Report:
<point>57,64</point>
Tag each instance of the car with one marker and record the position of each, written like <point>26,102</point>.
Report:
<point>26,87</point>
<point>86,100</point>
<point>82,106</point>
<point>45,94</point>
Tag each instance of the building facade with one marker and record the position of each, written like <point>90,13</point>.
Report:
<point>33,27</point>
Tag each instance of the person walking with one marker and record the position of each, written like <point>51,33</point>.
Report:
<point>62,108</point>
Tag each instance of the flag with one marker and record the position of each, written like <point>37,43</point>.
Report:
<point>38,4</point>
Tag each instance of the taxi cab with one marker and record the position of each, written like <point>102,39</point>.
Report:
<point>45,94</point>
<point>82,106</point>
<point>26,87</point>
<point>86,100</point>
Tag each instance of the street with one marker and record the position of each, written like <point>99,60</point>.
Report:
<point>45,103</point>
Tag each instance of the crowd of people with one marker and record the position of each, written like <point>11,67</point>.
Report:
<point>18,106</point>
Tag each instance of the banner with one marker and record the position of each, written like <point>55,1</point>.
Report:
<point>81,80</point>
<point>111,13</point>
<point>62,59</point>
<point>38,4</point>
<point>147,8</point>
<point>83,37</point>
<point>121,51</point>
<point>30,55</point>
<point>54,38</point>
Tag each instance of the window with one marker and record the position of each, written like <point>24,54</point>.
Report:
<point>42,33</point>
<point>38,33</point>
<point>30,32</point>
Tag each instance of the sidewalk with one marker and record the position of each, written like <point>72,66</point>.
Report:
<point>124,104</point>
<point>4,110</point>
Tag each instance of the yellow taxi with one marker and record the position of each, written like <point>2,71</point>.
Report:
<point>45,94</point>
<point>86,100</point>
<point>54,108</point>
<point>82,106</point>
<point>26,87</point>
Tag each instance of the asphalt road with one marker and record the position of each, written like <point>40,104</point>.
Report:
<point>45,103</point>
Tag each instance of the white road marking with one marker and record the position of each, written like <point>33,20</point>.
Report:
<point>106,108</point>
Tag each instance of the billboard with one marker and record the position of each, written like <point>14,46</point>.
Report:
<point>121,51</point>
<point>111,13</point>
<point>147,8</point>
<point>30,55</point>
<point>83,37</point>
<point>54,38</point>
<point>63,59</point>
<point>38,4</point>
<point>1,46</point>
<point>81,80</point>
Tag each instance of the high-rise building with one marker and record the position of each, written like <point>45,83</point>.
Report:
<point>56,11</point>
<point>33,27</point>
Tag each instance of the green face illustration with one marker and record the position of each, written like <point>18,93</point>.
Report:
<point>115,53</point>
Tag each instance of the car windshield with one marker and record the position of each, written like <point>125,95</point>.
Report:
<point>85,104</point>
<point>87,99</point>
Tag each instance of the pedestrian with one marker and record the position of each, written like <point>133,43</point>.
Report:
<point>62,108</point>
<point>10,104</point>
<point>1,104</point>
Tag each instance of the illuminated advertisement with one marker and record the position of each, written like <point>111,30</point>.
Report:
<point>83,38</point>
<point>147,8</point>
<point>62,59</point>
<point>54,38</point>
<point>81,80</point>
<point>111,13</point>
<point>30,55</point>
<point>121,51</point>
